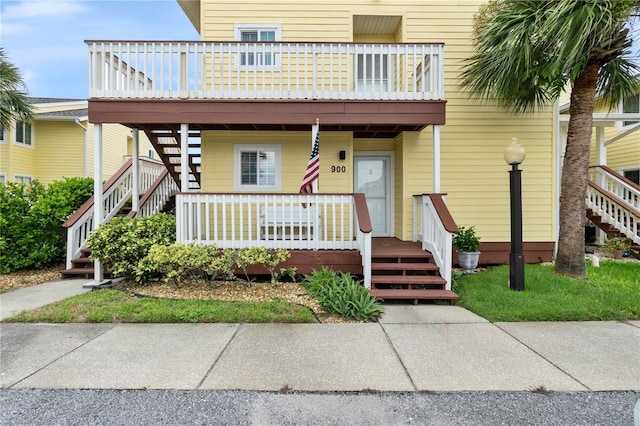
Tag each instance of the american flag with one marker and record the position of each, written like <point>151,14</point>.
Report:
<point>313,167</point>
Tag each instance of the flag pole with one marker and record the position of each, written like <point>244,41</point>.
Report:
<point>314,133</point>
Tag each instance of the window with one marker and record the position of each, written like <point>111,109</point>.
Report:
<point>631,105</point>
<point>372,72</point>
<point>257,167</point>
<point>3,178</point>
<point>253,53</point>
<point>632,175</point>
<point>3,135</point>
<point>23,133</point>
<point>151,153</point>
<point>24,179</point>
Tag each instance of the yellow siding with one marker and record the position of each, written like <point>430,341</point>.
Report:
<point>218,161</point>
<point>473,172</point>
<point>621,154</point>
<point>59,150</point>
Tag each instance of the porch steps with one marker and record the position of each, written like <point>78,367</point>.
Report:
<point>82,267</point>
<point>167,145</point>
<point>401,270</point>
<point>611,231</point>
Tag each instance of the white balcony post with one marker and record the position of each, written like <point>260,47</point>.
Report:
<point>436,158</point>
<point>601,179</point>
<point>98,201</point>
<point>135,158</point>
<point>184,157</point>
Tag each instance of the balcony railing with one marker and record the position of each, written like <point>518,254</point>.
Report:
<point>279,70</point>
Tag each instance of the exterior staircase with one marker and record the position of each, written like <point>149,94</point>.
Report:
<point>167,145</point>
<point>402,270</point>
<point>613,205</point>
<point>157,189</point>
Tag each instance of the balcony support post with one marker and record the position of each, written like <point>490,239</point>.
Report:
<point>135,157</point>
<point>184,157</point>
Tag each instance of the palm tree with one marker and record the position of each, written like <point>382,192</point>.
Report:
<point>14,104</point>
<point>526,52</point>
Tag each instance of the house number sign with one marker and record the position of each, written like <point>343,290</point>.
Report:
<point>338,169</point>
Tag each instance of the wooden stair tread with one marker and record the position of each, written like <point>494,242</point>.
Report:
<point>407,279</point>
<point>381,266</point>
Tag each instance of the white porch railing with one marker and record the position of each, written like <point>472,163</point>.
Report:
<point>256,70</point>
<point>614,211</point>
<point>433,227</point>
<point>116,192</point>
<point>289,221</point>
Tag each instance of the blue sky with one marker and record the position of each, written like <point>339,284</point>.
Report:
<point>45,39</point>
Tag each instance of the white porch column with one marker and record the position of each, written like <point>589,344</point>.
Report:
<point>601,148</point>
<point>98,200</point>
<point>184,157</point>
<point>135,158</point>
<point>436,158</point>
<point>601,160</point>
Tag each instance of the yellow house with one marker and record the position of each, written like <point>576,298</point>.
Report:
<point>58,144</point>
<point>232,116</point>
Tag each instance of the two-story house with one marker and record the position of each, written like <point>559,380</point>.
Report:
<point>232,116</point>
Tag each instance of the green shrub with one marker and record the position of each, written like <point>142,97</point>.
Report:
<point>180,262</point>
<point>122,243</point>
<point>31,217</point>
<point>270,258</point>
<point>342,295</point>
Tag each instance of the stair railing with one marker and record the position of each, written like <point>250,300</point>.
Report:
<point>612,182</point>
<point>614,211</point>
<point>116,192</point>
<point>433,227</point>
<point>157,196</point>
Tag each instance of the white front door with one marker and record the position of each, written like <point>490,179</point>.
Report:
<point>373,178</point>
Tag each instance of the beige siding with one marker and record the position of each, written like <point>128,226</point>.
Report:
<point>473,172</point>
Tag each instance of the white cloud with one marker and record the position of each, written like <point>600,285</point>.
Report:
<point>13,28</point>
<point>33,9</point>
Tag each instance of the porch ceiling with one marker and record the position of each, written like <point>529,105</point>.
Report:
<point>366,119</point>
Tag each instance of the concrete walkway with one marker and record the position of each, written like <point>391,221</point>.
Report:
<point>411,348</point>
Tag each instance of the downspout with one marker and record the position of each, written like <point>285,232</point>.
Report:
<point>86,148</point>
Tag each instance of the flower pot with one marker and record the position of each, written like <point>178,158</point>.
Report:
<point>468,261</point>
<point>617,254</point>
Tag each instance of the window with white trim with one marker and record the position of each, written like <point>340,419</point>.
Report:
<point>24,134</point>
<point>631,105</point>
<point>24,179</point>
<point>257,167</point>
<point>256,53</point>
<point>3,135</point>
<point>3,178</point>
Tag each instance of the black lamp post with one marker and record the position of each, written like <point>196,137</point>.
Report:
<point>514,154</point>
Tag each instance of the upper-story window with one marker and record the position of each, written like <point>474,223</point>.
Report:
<point>631,105</point>
<point>3,135</point>
<point>23,134</point>
<point>372,71</point>
<point>254,53</point>
<point>257,167</point>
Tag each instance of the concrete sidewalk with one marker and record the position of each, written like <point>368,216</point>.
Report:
<point>411,348</point>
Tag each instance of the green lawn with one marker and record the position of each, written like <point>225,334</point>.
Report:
<point>612,292</point>
<point>118,306</point>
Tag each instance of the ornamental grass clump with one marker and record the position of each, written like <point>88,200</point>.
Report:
<point>341,294</point>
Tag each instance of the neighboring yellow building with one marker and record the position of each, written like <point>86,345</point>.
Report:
<point>58,143</point>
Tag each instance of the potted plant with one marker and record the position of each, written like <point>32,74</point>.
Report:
<point>616,247</point>
<point>467,243</point>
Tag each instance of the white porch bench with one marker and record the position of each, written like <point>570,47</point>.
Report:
<point>289,222</point>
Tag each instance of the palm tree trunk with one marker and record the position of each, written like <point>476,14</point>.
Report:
<point>575,168</point>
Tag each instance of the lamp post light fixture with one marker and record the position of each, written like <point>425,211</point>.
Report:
<point>514,155</point>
